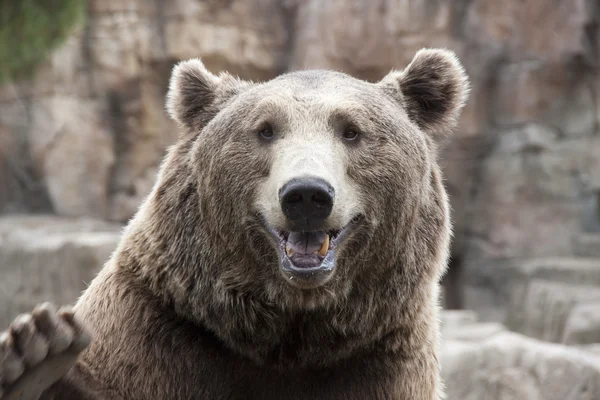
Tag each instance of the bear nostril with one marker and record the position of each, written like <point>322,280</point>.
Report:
<point>295,198</point>
<point>321,199</point>
<point>307,201</point>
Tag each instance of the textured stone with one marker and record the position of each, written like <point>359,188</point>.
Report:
<point>547,306</point>
<point>464,325</point>
<point>497,289</point>
<point>588,245</point>
<point>72,148</point>
<point>534,28</point>
<point>530,199</point>
<point>540,294</point>
<point>20,191</point>
<point>120,6</point>
<point>532,137</point>
<point>536,90</point>
<point>583,323</point>
<point>63,73</point>
<point>539,99</point>
<point>510,366</point>
<point>367,39</point>
<point>453,319</point>
<point>246,38</point>
<point>45,258</point>
<point>590,348</point>
<point>145,131</point>
<point>474,332</point>
<point>118,44</point>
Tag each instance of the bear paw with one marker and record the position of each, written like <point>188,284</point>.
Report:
<point>37,350</point>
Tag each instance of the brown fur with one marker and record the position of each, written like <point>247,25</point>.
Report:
<point>192,304</point>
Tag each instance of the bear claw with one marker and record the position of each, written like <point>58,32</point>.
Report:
<point>38,349</point>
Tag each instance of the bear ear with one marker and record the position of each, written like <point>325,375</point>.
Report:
<point>433,89</point>
<point>192,90</point>
<point>195,93</point>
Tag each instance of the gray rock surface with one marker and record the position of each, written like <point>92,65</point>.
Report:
<point>46,258</point>
<point>508,366</point>
<point>499,290</point>
<point>90,128</point>
<point>583,323</point>
<point>456,319</point>
<point>588,245</point>
<point>494,364</point>
<point>548,306</point>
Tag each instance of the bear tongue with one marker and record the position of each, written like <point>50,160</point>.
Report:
<point>305,243</point>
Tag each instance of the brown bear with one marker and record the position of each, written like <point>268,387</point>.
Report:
<point>291,248</point>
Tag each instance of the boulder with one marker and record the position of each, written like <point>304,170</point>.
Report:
<point>509,366</point>
<point>455,319</point>
<point>583,323</point>
<point>548,305</point>
<point>474,332</point>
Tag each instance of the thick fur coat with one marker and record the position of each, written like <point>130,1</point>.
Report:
<point>193,305</point>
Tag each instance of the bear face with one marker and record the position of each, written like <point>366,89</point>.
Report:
<point>316,171</point>
<point>264,174</point>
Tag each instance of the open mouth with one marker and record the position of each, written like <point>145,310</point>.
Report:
<point>308,258</point>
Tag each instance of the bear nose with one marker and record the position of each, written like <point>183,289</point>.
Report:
<point>307,201</point>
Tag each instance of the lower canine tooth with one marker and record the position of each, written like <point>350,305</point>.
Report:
<point>324,247</point>
<point>288,250</point>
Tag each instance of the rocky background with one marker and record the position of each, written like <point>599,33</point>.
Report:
<point>81,141</point>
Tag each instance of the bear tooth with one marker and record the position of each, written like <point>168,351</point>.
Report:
<point>288,249</point>
<point>324,247</point>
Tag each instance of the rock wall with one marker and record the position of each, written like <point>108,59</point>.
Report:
<point>484,361</point>
<point>89,130</point>
<point>85,136</point>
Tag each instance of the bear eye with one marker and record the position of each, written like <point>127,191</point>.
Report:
<point>266,132</point>
<point>351,133</point>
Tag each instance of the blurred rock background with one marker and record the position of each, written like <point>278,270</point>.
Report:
<point>83,130</point>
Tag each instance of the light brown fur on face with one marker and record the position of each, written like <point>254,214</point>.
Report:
<point>193,304</point>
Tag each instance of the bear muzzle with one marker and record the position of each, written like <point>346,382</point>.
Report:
<point>308,259</point>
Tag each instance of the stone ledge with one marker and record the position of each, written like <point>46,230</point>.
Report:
<point>511,366</point>
<point>49,258</point>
